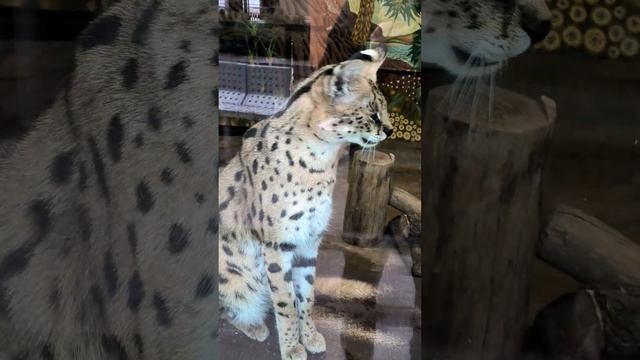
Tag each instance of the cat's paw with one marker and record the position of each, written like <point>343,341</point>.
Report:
<point>295,353</point>
<point>256,332</point>
<point>315,343</point>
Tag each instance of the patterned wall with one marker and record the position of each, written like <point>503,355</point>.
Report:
<point>600,28</point>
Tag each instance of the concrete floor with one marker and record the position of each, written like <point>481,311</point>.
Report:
<point>368,303</point>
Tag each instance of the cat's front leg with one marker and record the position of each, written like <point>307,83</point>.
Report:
<point>279,272</point>
<point>304,273</point>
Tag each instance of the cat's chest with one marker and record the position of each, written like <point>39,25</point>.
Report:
<point>306,209</point>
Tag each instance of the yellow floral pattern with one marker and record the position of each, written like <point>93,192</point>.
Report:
<point>603,28</point>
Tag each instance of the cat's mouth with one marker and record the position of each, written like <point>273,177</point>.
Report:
<point>368,143</point>
<point>464,57</point>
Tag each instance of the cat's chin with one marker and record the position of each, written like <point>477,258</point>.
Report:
<point>460,61</point>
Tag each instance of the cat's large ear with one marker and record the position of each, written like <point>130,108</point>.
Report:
<point>362,65</point>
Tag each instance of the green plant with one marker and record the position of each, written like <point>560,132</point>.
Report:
<point>269,50</point>
<point>415,51</point>
<point>251,40</point>
<point>402,8</point>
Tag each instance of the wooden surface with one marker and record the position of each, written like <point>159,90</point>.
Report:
<point>368,197</point>
<point>482,213</point>
<point>590,251</point>
<point>409,205</point>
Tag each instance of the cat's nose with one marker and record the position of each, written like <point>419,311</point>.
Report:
<point>388,130</point>
<point>536,29</point>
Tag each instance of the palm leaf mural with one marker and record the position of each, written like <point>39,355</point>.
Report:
<point>401,8</point>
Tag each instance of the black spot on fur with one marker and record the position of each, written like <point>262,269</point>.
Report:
<point>287,246</point>
<point>130,73</point>
<point>15,262</point>
<point>47,352</point>
<point>274,268</point>
<point>227,250</point>
<point>136,292</point>
<point>234,269</point>
<point>205,286</point>
<point>100,169</point>
<point>54,296</point>
<point>39,211</point>
<point>144,197</point>
<point>188,122</point>
<point>84,223</point>
<point>287,276</point>
<point>223,280</point>
<point>103,31</point>
<point>212,225</point>
<point>309,279</point>
<point>238,176</point>
<point>178,238</point>
<point>265,128</point>
<point>137,341</point>
<point>153,118</point>
<point>112,346</point>
<point>138,141</point>
<point>115,135</point>
<point>282,304</point>
<point>110,273</point>
<point>143,23</point>
<point>176,75</point>
<point>166,176</point>
<point>82,176</point>
<point>183,152</point>
<point>132,238</point>
<point>185,45</point>
<point>162,310</point>
<point>296,216</point>
<point>250,133</point>
<point>61,168</point>
<point>98,299</point>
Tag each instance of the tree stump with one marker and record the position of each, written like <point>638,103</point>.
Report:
<point>588,250</point>
<point>369,190</point>
<point>482,213</point>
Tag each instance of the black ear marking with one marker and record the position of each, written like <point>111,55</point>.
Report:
<point>361,56</point>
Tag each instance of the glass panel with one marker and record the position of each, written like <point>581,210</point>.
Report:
<point>531,167</point>
<point>299,179</point>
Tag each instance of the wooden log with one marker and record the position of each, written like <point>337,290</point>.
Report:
<point>590,325</point>
<point>482,219</point>
<point>410,223</point>
<point>409,205</point>
<point>587,249</point>
<point>368,197</point>
<point>401,229</point>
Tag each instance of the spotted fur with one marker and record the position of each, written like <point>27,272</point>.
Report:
<point>475,37</point>
<point>275,199</point>
<point>107,222</point>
